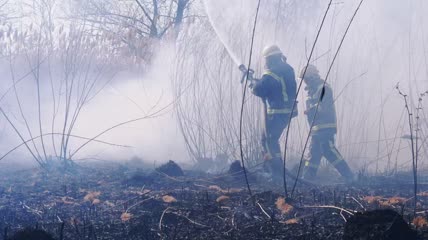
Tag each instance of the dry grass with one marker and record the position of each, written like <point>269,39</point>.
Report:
<point>397,200</point>
<point>292,221</point>
<point>389,202</point>
<point>372,199</point>
<point>222,198</point>
<point>125,217</point>
<point>109,204</point>
<point>385,202</point>
<point>283,206</point>
<point>420,222</point>
<point>234,190</point>
<point>68,200</point>
<point>168,199</point>
<point>91,196</point>
<point>423,194</point>
<point>219,189</point>
<point>215,188</point>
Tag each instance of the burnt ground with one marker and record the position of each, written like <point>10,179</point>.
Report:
<point>101,201</point>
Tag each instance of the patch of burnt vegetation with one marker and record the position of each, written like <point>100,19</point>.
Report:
<point>381,224</point>
<point>171,169</point>
<point>97,205</point>
<point>31,234</point>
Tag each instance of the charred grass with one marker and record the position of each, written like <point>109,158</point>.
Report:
<point>113,202</point>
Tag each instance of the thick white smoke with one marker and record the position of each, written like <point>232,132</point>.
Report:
<point>386,44</point>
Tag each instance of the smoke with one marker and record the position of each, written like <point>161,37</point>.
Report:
<point>118,96</point>
<point>132,96</point>
<point>194,83</point>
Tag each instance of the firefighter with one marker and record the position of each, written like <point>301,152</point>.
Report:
<point>277,89</point>
<point>324,127</point>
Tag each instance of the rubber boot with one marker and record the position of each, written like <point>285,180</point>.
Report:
<point>345,171</point>
<point>309,173</point>
<point>277,169</point>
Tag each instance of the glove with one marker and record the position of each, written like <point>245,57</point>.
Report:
<point>251,83</point>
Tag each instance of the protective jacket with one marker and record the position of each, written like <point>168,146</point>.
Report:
<point>277,88</point>
<point>323,131</point>
<point>326,115</point>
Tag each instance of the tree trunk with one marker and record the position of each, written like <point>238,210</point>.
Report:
<point>181,7</point>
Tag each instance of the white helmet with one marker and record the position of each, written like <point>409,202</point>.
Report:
<point>271,50</point>
<point>310,71</point>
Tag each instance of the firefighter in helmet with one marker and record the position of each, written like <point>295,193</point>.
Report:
<point>277,89</point>
<point>324,127</point>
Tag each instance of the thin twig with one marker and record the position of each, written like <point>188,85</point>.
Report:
<point>341,214</point>
<point>361,205</point>
<point>190,220</point>
<point>332,207</point>
<point>53,134</point>
<point>21,137</point>
<point>243,103</point>
<point>138,203</point>
<point>161,219</point>
<point>415,177</point>
<point>261,208</point>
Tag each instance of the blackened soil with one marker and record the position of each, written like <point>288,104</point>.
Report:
<point>382,224</point>
<point>117,202</point>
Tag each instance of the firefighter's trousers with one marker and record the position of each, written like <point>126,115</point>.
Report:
<point>274,126</point>
<point>323,145</point>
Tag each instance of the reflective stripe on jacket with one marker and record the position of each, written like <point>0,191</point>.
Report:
<point>278,88</point>
<point>326,115</point>
<point>286,109</point>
